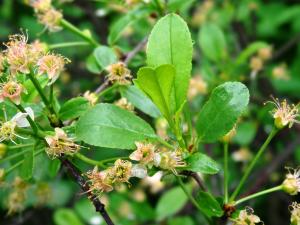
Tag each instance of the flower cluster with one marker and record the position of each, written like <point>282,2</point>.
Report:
<point>21,57</point>
<point>60,144</point>
<point>284,114</point>
<point>47,14</point>
<point>295,213</point>
<point>118,73</point>
<point>246,217</point>
<point>103,181</point>
<point>291,184</point>
<point>146,155</point>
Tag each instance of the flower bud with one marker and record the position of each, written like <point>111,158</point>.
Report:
<point>291,184</point>
<point>265,53</point>
<point>124,104</point>
<point>295,213</point>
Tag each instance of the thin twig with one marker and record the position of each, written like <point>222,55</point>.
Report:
<point>137,49</point>
<point>286,47</point>
<point>196,177</point>
<point>99,206</point>
<point>101,87</point>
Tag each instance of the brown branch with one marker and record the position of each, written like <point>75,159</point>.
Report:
<point>196,177</point>
<point>99,206</point>
<point>286,47</point>
<point>137,49</point>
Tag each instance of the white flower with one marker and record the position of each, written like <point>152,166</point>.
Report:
<point>139,171</point>
<point>291,184</point>
<point>7,128</point>
<point>21,118</point>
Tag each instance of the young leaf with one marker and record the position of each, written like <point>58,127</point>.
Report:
<point>170,203</point>
<point>73,108</point>
<point>105,56</point>
<point>26,169</point>
<point>202,163</point>
<point>140,100</point>
<point>123,22</point>
<point>170,43</point>
<point>209,205</point>
<point>221,111</point>
<point>158,84</point>
<point>107,125</point>
<point>64,216</point>
<point>212,42</point>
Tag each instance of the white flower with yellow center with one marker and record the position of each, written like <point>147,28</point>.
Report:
<point>291,184</point>
<point>7,128</point>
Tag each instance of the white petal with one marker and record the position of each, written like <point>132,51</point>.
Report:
<point>20,118</point>
<point>139,171</point>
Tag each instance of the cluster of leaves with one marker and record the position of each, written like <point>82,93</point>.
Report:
<point>220,51</point>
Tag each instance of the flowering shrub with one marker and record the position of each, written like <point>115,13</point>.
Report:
<point>173,115</point>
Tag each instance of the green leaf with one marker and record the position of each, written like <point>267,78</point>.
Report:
<point>158,84</point>
<point>66,216</point>
<point>54,167</point>
<point>170,203</point>
<point>26,169</point>
<point>221,111</point>
<point>107,125</point>
<point>73,108</point>
<point>249,51</point>
<point>86,210</point>
<point>208,204</point>
<point>123,22</point>
<point>202,163</point>
<point>212,42</point>
<point>92,65</point>
<point>140,100</point>
<point>170,43</point>
<point>105,56</point>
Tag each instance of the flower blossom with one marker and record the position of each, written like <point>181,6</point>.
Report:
<point>144,153</point>
<point>20,55</point>
<point>119,73</point>
<point>7,128</point>
<point>284,114</point>
<point>100,181</point>
<point>11,90</point>
<point>169,160</point>
<point>246,217</point>
<point>60,144</point>
<point>291,184</point>
<point>52,65</point>
<point>40,5</point>
<point>50,19</point>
